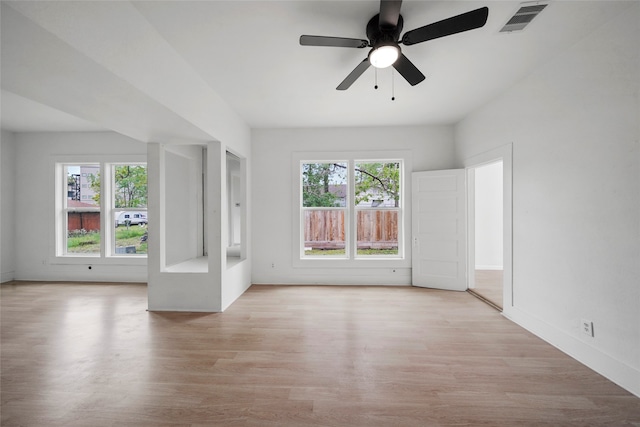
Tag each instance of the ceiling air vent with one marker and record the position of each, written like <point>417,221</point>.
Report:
<point>523,16</point>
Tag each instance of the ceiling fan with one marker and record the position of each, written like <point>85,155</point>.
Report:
<point>383,31</point>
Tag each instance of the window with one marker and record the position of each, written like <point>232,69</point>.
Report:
<point>82,209</point>
<point>130,208</point>
<point>377,205</point>
<point>103,209</point>
<point>351,209</point>
<point>324,208</point>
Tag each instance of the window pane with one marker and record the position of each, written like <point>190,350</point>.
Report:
<point>377,184</point>
<point>131,233</point>
<point>324,232</point>
<point>130,191</point>
<point>324,184</point>
<point>83,232</point>
<point>130,186</point>
<point>83,186</point>
<point>83,192</point>
<point>377,232</point>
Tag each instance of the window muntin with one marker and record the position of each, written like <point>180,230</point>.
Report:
<point>351,209</point>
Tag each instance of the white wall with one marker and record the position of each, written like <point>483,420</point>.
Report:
<point>34,203</point>
<point>428,148</point>
<point>488,216</point>
<point>7,202</point>
<point>576,195</point>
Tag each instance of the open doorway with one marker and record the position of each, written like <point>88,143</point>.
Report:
<point>486,185</point>
<point>503,155</point>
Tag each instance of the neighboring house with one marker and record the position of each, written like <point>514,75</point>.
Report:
<point>79,185</point>
<point>82,220</point>
<point>86,191</point>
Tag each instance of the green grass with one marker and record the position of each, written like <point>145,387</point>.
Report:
<point>131,237</point>
<point>132,232</point>
<point>85,243</point>
<point>90,242</point>
<point>377,251</point>
<point>336,252</point>
<point>324,252</point>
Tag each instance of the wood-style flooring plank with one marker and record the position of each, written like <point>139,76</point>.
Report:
<point>488,285</point>
<point>91,355</point>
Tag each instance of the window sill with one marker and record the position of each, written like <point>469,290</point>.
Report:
<point>98,260</point>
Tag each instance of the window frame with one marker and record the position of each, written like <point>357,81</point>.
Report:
<point>114,211</point>
<point>58,196</point>
<point>66,210</point>
<point>402,260</point>
<point>399,209</point>
<point>345,209</point>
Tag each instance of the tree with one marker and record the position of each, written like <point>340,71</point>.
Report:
<point>130,189</point>
<point>95,186</point>
<point>377,181</point>
<point>130,186</point>
<point>321,183</point>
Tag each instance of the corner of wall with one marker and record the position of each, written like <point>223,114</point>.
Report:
<point>618,372</point>
<point>7,206</point>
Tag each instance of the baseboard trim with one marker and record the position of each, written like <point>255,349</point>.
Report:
<point>489,267</point>
<point>614,370</point>
<point>83,277</point>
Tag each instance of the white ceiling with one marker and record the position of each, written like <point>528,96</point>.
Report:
<point>152,69</point>
<point>20,114</point>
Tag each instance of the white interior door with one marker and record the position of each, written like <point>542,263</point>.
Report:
<point>439,236</point>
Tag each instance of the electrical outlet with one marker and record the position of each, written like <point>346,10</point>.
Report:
<point>587,327</point>
<point>273,265</point>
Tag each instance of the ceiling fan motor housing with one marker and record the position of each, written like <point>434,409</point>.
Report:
<point>381,36</point>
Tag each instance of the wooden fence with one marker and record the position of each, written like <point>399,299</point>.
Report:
<point>89,221</point>
<point>376,229</point>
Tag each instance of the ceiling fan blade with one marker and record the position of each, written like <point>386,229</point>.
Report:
<point>408,70</point>
<point>353,76</point>
<point>389,13</point>
<point>456,24</point>
<point>332,41</point>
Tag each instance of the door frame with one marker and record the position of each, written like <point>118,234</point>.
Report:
<point>504,154</point>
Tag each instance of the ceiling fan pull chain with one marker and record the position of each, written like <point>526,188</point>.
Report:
<point>376,74</point>
<point>393,87</point>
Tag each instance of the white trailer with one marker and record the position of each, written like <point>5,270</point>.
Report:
<point>134,218</point>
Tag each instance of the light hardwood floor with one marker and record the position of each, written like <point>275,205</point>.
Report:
<point>90,355</point>
<point>488,285</point>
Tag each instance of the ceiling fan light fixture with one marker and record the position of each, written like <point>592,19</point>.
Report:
<point>384,56</point>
